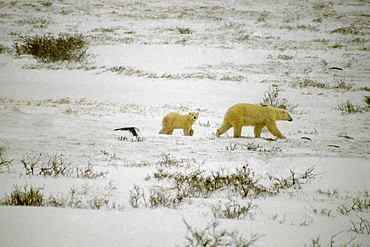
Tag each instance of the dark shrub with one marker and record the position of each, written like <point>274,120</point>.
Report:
<point>49,49</point>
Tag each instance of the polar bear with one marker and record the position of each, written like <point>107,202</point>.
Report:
<point>240,115</point>
<point>174,120</point>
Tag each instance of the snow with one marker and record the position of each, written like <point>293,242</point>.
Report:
<point>142,68</point>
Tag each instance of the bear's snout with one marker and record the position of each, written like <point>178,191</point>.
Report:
<point>290,120</point>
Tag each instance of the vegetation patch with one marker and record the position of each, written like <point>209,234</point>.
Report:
<point>211,236</point>
<point>348,107</point>
<point>251,146</point>
<point>50,49</point>
<point>232,210</point>
<point>56,166</point>
<point>27,197</point>
<point>4,160</point>
<point>361,203</point>
<point>196,183</point>
<point>271,98</point>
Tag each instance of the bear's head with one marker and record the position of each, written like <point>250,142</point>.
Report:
<point>282,114</point>
<point>194,115</point>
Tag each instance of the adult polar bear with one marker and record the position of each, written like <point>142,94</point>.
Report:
<point>259,116</point>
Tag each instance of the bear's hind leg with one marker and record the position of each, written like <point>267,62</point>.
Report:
<point>257,130</point>
<point>237,131</point>
<point>274,130</point>
<point>166,131</point>
<point>224,127</point>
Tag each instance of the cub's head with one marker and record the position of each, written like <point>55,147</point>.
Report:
<point>194,115</point>
<point>282,114</point>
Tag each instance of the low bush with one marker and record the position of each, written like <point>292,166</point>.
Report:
<point>55,166</point>
<point>49,49</point>
<point>367,102</point>
<point>360,203</point>
<point>349,107</point>
<point>362,226</point>
<point>200,184</point>
<point>271,98</point>
<point>232,210</point>
<point>210,236</point>
<point>4,161</point>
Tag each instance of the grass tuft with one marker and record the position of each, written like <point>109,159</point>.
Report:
<point>28,197</point>
<point>348,107</point>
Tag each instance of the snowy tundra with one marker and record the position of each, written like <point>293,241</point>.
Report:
<point>100,187</point>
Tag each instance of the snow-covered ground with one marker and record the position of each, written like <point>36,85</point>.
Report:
<point>143,67</point>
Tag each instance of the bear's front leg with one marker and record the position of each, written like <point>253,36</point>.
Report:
<point>258,130</point>
<point>191,132</point>
<point>274,130</point>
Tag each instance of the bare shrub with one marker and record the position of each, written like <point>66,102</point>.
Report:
<point>271,98</point>
<point>251,146</point>
<point>4,160</point>
<point>55,167</point>
<point>211,236</point>
<point>88,172</point>
<point>31,163</point>
<point>136,195</point>
<point>98,201</point>
<point>362,226</point>
<point>316,242</point>
<point>84,198</point>
<point>360,203</point>
<point>293,181</point>
<point>161,197</point>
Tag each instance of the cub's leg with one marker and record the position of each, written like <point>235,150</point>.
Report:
<point>191,132</point>
<point>237,131</point>
<point>257,130</point>
<point>274,130</point>
<point>224,127</point>
<point>188,131</point>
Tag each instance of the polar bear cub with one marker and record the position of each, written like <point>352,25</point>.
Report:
<point>259,116</point>
<point>175,120</point>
